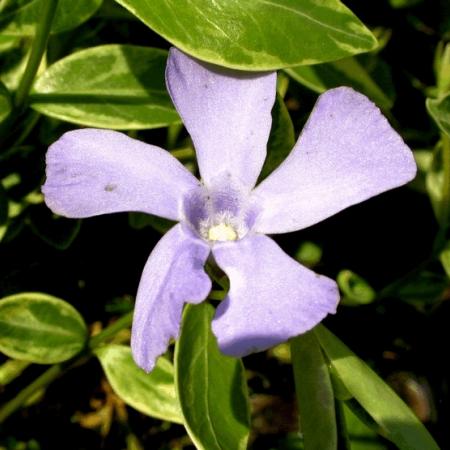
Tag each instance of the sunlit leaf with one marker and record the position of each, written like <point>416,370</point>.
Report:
<point>314,393</point>
<point>40,328</point>
<point>211,387</point>
<point>387,409</point>
<point>150,393</point>
<point>110,86</point>
<point>257,34</point>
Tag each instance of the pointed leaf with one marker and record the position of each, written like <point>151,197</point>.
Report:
<point>109,86</point>
<point>375,396</point>
<point>257,34</point>
<point>40,328</point>
<point>314,393</point>
<point>152,393</point>
<point>211,386</point>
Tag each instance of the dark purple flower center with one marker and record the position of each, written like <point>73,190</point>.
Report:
<point>220,213</point>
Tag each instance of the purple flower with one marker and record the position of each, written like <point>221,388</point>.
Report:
<point>346,153</point>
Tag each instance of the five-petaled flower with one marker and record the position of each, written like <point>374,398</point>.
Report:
<point>346,153</point>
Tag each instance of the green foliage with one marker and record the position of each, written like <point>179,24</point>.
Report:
<point>214,407</point>
<point>397,421</point>
<point>19,18</point>
<point>439,109</point>
<point>355,290</point>
<point>96,63</point>
<point>257,34</point>
<point>347,72</point>
<point>110,86</point>
<point>150,393</point>
<point>5,102</point>
<point>281,140</point>
<point>40,328</point>
<point>314,393</point>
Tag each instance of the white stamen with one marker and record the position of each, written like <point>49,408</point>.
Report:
<point>222,232</point>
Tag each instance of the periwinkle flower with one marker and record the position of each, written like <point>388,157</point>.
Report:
<point>346,153</point>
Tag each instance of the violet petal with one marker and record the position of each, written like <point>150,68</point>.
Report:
<point>346,153</point>
<point>173,275</point>
<point>227,113</point>
<point>92,172</point>
<point>271,299</point>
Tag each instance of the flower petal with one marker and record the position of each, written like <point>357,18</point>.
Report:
<point>346,153</point>
<point>173,275</point>
<point>227,114</point>
<point>271,299</point>
<point>92,172</point>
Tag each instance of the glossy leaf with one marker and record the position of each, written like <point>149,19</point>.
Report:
<point>396,419</point>
<point>345,72</point>
<point>439,110</point>
<point>110,86</point>
<point>150,393</point>
<point>257,34</point>
<point>314,393</point>
<point>20,17</point>
<point>211,387</point>
<point>40,328</point>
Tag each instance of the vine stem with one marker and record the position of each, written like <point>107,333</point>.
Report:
<point>38,48</point>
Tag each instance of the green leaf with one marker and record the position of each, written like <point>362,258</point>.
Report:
<point>387,409</point>
<point>356,290</point>
<point>152,393</point>
<point>5,102</point>
<point>109,86</point>
<point>211,387</point>
<point>345,72</point>
<point>20,16</point>
<point>439,110</point>
<point>257,34</point>
<point>314,393</point>
<point>40,328</point>
<point>361,436</point>
<point>281,140</point>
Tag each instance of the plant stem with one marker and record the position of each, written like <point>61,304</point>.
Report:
<point>111,330</point>
<point>40,382</point>
<point>37,51</point>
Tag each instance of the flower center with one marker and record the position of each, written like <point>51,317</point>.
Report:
<point>219,214</point>
<point>222,232</point>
